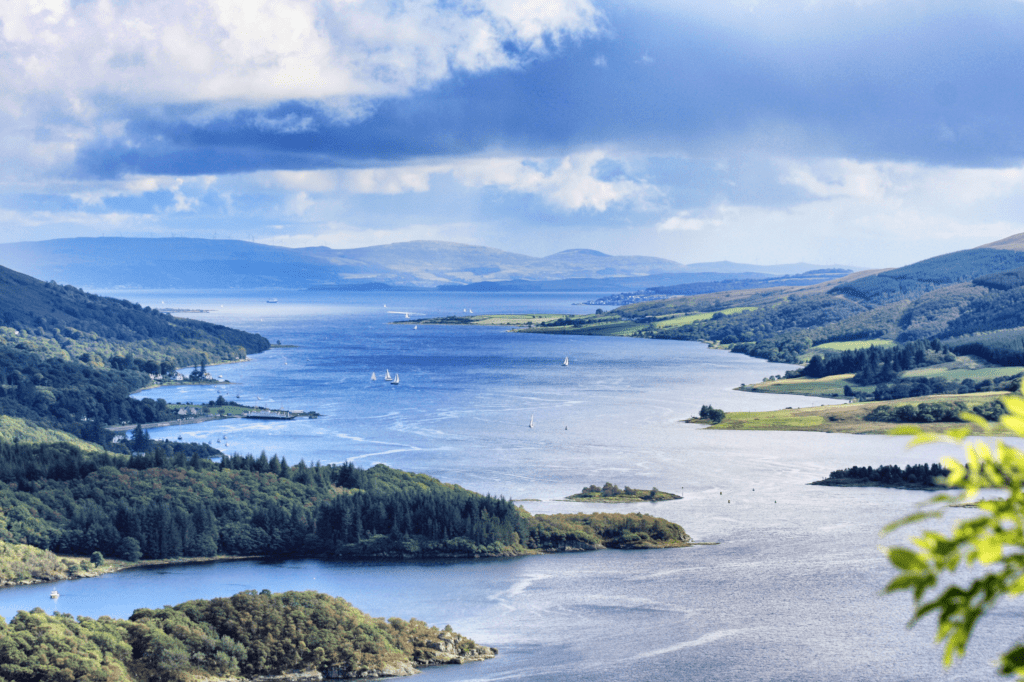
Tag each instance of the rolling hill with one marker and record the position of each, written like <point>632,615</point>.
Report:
<point>971,300</point>
<point>115,262</point>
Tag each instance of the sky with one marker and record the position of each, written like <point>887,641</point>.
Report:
<point>869,133</point>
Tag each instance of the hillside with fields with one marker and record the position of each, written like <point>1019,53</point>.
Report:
<point>953,324</point>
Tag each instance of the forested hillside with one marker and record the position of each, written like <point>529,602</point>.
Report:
<point>164,506</point>
<point>250,634</point>
<point>69,360</point>
<point>68,323</point>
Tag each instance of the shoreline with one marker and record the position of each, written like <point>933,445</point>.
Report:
<point>118,565</point>
<point>113,565</point>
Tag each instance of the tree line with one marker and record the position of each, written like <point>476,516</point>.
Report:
<point>910,474</point>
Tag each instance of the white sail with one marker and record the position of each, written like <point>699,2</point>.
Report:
<point>373,376</point>
<point>531,421</point>
<point>395,382</point>
<point>566,363</point>
<point>387,375</point>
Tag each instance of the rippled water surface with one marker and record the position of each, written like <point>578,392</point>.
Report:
<point>792,592</point>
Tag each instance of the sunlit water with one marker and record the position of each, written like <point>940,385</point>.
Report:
<point>792,592</point>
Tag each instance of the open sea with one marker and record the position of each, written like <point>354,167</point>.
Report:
<point>791,592</point>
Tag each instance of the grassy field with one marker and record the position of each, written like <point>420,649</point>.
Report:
<point>671,321</point>
<point>838,346</point>
<point>826,387</point>
<point>842,418</point>
<point>958,371</point>
<point>13,427</point>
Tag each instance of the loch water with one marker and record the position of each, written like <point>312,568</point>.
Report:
<point>792,590</point>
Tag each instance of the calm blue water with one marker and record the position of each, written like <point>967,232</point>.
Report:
<point>791,593</point>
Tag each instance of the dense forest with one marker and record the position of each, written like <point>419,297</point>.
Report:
<point>248,634</point>
<point>160,505</point>
<point>911,475</point>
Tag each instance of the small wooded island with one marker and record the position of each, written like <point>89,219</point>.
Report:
<point>309,635</point>
<point>910,477</point>
<point>612,493</point>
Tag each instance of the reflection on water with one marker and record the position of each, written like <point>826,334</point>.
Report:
<point>791,593</point>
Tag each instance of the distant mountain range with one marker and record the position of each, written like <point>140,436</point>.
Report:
<point>122,262</point>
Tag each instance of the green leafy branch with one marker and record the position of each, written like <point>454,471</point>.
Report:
<point>994,538</point>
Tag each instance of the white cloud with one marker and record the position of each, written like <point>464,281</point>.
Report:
<point>859,213</point>
<point>391,180</point>
<point>570,183</point>
<point>261,51</point>
<point>340,235</point>
<point>96,193</point>
<point>691,221</point>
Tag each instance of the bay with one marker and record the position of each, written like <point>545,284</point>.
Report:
<point>792,592</point>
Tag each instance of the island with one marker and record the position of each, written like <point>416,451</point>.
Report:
<point>298,635</point>
<point>910,477</point>
<point>610,493</point>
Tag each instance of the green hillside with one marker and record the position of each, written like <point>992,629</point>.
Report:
<point>970,301</point>
<point>248,634</point>
<point>69,360</point>
<point>66,322</point>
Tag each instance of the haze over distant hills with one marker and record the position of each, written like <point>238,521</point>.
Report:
<point>123,262</point>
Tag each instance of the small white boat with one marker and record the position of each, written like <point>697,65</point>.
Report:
<point>407,316</point>
<point>373,376</point>
<point>387,375</point>
<point>566,363</point>
<point>54,594</point>
<point>415,326</point>
<point>470,311</point>
<point>531,421</point>
<point>395,382</point>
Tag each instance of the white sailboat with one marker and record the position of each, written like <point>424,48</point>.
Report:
<point>566,363</point>
<point>531,421</point>
<point>54,594</point>
<point>373,376</point>
<point>395,382</point>
<point>415,326</point>
<point>387,375</point>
